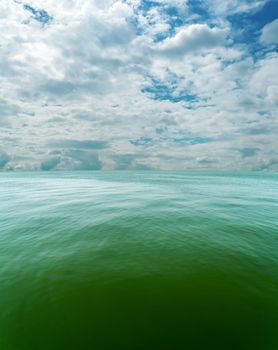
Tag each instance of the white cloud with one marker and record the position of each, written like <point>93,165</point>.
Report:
<point>230,7</point>
<point>194,38</point>
<point>270,33</point>
<point>81,78</point>
<point>264,76</point>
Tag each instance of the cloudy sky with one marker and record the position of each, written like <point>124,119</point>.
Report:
<point>138,84</point>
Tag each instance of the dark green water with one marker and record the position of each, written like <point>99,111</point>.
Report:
<point>138,260</point>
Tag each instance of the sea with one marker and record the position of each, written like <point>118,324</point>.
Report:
<point>138,260</point>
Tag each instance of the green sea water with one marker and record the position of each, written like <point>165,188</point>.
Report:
<point>138,260</point>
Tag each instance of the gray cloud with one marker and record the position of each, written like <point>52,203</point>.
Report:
<point>8,109</point>
<point>248,152</point>
<point>57,87</point>
<point>130,162</point>
<point>50,164</point>
<point>84,144</point>
<point>124,162</point>
<point>258,130</point>
<point>83,160</point>
<point>4,159</point>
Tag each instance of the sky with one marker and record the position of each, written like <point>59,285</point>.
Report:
<point>138,85</point>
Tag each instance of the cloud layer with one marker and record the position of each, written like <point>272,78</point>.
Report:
<point>136,84</point>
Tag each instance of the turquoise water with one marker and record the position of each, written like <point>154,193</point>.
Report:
<point>138,260</point>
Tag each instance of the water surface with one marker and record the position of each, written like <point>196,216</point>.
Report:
<point>138,260</point>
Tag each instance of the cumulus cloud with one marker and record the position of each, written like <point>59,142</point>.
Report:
<point>270,33</point>
<point>90,84</point>
<point>192,38</point>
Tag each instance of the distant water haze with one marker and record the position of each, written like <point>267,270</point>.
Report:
<point>138,260</point>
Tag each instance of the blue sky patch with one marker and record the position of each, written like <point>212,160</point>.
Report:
<point>168,92</point>
<point>197,7</point>
<point>142,141</point>
<point>181,140</point>
<point>39,15</point>
<point>192,140</point>
<point>247,27</point>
